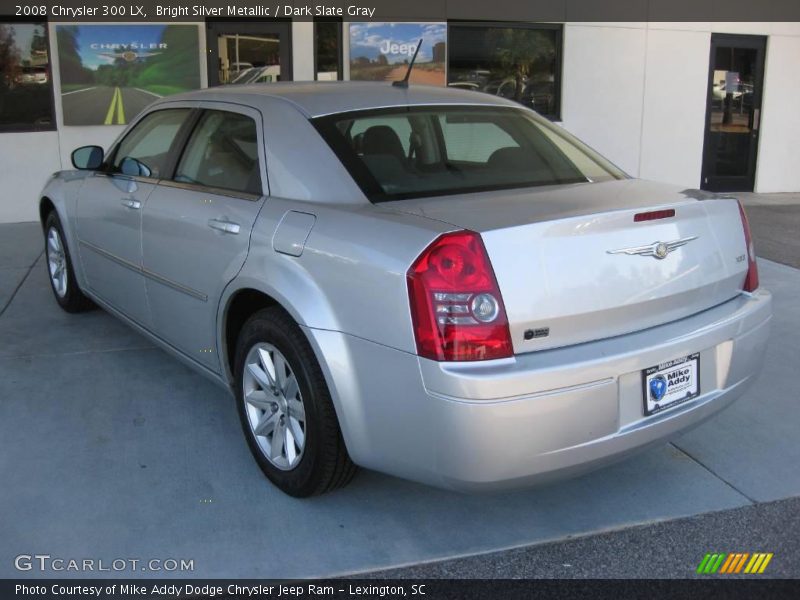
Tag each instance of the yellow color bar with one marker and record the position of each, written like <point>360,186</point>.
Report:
<point>755,563</point>
<point>765,563</point>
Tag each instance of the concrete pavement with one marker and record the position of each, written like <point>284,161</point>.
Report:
<point>775,222</point>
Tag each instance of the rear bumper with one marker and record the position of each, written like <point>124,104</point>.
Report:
<point>538,416</point>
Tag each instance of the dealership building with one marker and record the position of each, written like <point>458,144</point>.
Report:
<point>710,105</point>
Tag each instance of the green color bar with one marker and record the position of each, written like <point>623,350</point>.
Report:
<point>703,562</point>
<point>718,564</point>
<point>711,562</point>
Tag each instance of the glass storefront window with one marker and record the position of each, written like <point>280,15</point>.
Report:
<point>26,88</point>
<point>327,50</point>
<point>519,62</point>
<point>242,52</point>
<point>249,58</point>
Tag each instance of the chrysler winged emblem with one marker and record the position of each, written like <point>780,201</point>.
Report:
<point>657,250</point>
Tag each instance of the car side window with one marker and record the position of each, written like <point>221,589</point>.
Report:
<point>222,152</point>
<point>144,151</point>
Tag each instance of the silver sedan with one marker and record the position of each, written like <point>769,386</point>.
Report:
<point>428,282</point>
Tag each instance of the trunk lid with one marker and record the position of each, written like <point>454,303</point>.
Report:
<point>550,251</point>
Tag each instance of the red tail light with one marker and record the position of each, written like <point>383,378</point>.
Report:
<point>751,281</point>
<point>456,306</point>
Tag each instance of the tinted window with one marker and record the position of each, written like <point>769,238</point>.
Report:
<point>149,142</point>
<point>518,62</point>
<point>223,153</point>
<point>26,89</point>
<point>426,151</point>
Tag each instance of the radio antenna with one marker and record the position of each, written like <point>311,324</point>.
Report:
<point>403,83</point>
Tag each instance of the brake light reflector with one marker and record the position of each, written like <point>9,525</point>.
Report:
<point>751,280</point>
<point>456,306</point>
<point>653,215</point>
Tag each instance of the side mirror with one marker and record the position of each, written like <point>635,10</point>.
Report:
<point>87,158</point>
<point>134,168</point>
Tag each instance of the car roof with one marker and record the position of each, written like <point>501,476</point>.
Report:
<point>319,98</point>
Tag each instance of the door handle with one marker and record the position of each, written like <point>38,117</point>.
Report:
<point>224,226</point>
<point>134,204</point>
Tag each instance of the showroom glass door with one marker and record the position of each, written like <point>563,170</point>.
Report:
<point>733,113</point>
<point>248,52</point>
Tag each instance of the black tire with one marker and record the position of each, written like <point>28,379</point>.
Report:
<point>324,464</point>
<point>72,300</point>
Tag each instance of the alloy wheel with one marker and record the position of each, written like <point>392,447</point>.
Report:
<point>274,406</point>
<point>57,262</point>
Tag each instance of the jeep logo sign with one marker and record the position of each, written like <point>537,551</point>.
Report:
<point>389,47</point>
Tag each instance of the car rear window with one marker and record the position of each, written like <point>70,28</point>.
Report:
<point>418,151</point>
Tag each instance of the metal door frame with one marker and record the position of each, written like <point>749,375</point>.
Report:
<point>734,183</point>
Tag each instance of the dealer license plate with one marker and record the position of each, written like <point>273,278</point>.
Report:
<point>671,383</point>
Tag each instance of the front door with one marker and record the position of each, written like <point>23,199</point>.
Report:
<point>196,227</point>
<point>248,52</point>
<point>733,112</point>
<point>109,212</point>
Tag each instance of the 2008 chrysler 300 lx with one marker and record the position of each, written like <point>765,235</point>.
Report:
<point>432,283</point>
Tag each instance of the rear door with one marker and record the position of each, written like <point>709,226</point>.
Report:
<point>109,213</point>
<point>196,226</point>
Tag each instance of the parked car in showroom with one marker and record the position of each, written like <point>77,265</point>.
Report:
<point>33,75</point>
<point>428,282</point>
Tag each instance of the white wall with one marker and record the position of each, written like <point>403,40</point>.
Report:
<point>603,84</point>
<point>26,161</point>
<point>302,51</point>
<point>674,106</point>
<point>778,158</point>
<point>636,92</point>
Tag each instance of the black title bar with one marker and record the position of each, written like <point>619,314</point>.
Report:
<point>395,589</point>
<point>405,10</point>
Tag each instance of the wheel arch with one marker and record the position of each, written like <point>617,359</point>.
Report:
<point>240,301</point>
<point>55,199</point>
<point>237,305</point>
<point>46,206</point>
<point>238,308</point>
